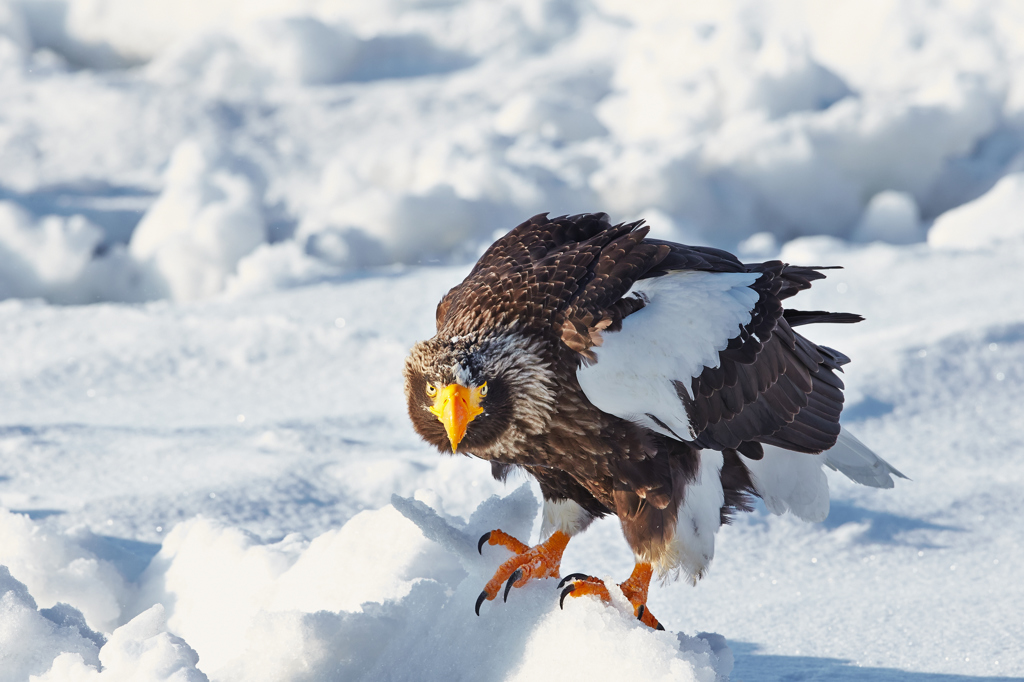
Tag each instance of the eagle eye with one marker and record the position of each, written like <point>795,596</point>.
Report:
<point>482,391</point>
<point>431,390</point>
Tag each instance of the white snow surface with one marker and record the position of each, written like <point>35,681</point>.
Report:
<point>160,148</point>
<point>223,224</point>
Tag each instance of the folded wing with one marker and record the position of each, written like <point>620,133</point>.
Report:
<point>711,357</point>
<point>644,372</point>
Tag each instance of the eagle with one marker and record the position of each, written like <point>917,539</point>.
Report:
<point>659,382</point>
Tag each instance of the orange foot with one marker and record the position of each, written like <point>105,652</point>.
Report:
<point>635,589</point>
<point>542,561</point>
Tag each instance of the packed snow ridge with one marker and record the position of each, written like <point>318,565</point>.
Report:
<point>389,595</point>
<point>181,149</point>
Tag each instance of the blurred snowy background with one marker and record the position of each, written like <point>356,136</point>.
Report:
<point>224,222</point>
<point>181,148</point>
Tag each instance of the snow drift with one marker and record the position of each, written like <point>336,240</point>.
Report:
<point>389,595</point>
<point>196,133</point>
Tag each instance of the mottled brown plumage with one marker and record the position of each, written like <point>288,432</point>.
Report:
<point>538,306</point>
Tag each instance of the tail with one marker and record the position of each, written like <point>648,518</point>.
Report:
<point>858,463</point>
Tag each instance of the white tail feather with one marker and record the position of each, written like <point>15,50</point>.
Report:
<point>791,481</point>
<point>858,463</point>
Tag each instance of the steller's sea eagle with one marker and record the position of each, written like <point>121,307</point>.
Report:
<point>658,382</point>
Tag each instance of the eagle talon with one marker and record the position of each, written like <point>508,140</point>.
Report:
<point>480,600</point>
<point>480,545</point>
<point>572,576</point>
<point>516,576</point>
<point>634,589</point>
<point>565,593</point>
<point>541,561</point>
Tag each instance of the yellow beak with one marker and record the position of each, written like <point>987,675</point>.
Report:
<point>455,406</point>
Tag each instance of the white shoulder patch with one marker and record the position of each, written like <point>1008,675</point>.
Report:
<point>689,317</point>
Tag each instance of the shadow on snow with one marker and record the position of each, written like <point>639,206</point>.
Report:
<point>883,527</point>
<point>751,666</point>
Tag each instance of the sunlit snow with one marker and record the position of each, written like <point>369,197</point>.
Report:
<point>223,224</point>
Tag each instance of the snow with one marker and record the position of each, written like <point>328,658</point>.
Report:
<point>986,221</point>
<point>223,224</point>
<point>890,217</point>
<point>198,229</point>
<point>196,133</point>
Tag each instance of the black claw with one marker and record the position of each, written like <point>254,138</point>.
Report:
<point>480,545</point>
<point>660,627</point>
<point>565,593</point>
<point>480,600</point>
<point>572,576</point>
<point>511,579</point>
<point>640,612</point>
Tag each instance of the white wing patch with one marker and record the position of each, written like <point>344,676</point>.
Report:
<point>689,317</point>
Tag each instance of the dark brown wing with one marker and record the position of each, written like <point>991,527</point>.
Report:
<point>771,385</point>
<point>536,274</point>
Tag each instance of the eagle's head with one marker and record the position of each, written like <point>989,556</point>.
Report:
<point>472,391</point>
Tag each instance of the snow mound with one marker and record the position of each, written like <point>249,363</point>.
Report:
<point>384,597</point>
<point>56,645</point>
<point>139,651</point>
<point>389,595</point>
<point>890,217</point>
<point>986,221</point>
<point>277,266</point>
<point>61,567</point>
<point>31,639</point>
<point>59,258</point>
<point>205,221</point>
<point>40,259</point>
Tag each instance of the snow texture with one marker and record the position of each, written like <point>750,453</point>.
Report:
<point>223,224</point>
<point>163,148</point>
